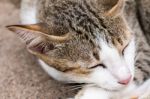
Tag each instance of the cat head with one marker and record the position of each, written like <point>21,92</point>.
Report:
<point>91,48</point>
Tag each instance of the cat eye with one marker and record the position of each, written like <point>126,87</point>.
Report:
<point>99,65</point>
<point>125,49</point>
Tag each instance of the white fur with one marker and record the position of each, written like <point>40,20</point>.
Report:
<point>130,56</point>
<point>28,12</point>
<point>60,76</point>
<point>99,76</point>
<point>114,61</point>
<point>93,93</point>
<point>52,72</point>
<point>118,67</point>
<point>143,91</point>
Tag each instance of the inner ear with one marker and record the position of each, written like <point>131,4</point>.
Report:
<point>109,4</point>
<point>115,7</point>
<point>35,38</point>
<point>41,46</point>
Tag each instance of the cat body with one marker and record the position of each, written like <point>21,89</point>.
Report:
<point>85,41</point>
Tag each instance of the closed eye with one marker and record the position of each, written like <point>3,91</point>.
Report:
<point>99,65</point>
<point>125,49</point>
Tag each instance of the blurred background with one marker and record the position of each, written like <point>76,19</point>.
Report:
<point>21,77</point>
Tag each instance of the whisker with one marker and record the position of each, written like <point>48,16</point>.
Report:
<point>77,88</point>
<point>76,85</point>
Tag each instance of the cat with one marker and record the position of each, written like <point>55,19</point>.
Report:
<point>86,41</point>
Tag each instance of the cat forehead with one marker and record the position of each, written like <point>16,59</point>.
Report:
<point>87,22</point>
<point>80,17</point>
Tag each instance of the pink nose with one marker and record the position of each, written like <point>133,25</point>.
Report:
<point>125,81</point>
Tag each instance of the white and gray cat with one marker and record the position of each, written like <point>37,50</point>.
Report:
<point>86,41</point>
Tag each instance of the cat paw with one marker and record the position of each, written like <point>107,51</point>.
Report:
<point>92,92</point>
<point>145,96</point>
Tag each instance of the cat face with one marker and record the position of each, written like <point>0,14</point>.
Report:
<point>118,70</point>
<point>95,49</point>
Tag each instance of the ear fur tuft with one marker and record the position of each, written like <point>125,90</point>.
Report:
<point>117,9</point>
<point>35,39</point>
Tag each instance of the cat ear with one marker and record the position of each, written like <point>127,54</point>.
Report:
<point>36,38</point>
<point>116,9</point>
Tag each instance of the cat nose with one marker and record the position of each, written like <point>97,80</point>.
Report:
<point>125,81</point>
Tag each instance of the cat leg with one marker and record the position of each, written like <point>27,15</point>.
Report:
<point>143,92</point>
<point>93,93</point>
<point>146,89</point>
